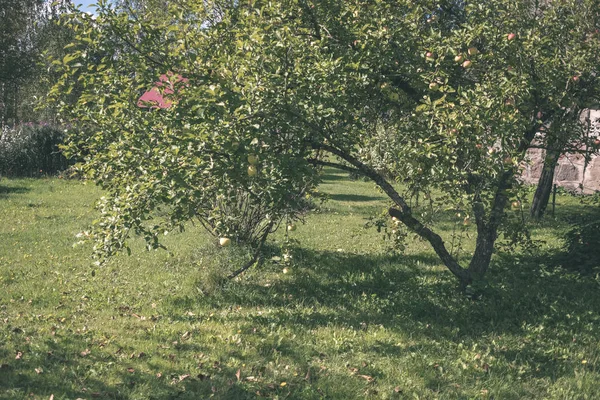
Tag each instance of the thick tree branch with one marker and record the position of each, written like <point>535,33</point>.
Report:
<point>404,214</point>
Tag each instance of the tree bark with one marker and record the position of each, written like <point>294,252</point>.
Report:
<point>544,188</point>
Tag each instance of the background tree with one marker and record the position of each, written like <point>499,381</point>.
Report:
<point>27,31</point>
<point>300,84</point>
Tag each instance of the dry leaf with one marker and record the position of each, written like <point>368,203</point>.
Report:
<point>130,370</point>
<point>158,375</point>
<point>38,370</point>
<point>19,355</point>
<point>307,377</point>
<point>367,377</point>
<point>182,377</point>
<point>51,397</point>
<point>238,374</point>
<point>85,352</point>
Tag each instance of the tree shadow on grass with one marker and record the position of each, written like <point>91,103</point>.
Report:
<point>65,373</point>
<point>411,295</point>
<point>6,191</point>
<point>354,197</point>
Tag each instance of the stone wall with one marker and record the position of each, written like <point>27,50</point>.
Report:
<point>572,172</point>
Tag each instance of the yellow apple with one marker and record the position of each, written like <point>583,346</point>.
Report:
<point>466,64</point>
<point>224,242</point>
<point>291,227</point>
<point>285,270</point>
<point>459,58</point>
<point>252,171</point>
<point>252,159</point>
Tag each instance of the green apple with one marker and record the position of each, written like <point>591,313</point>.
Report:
<point>473,51</point>
<point>434,86</point>
<point>252,171</point>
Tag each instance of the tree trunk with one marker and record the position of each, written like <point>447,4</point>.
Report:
<point>544,188</point>
<point>487,225</point>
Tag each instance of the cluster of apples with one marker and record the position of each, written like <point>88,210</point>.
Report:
<point>460,58</point>
<point>252,160</point>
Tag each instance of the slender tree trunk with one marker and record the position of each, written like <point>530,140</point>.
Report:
<point>544,188</point>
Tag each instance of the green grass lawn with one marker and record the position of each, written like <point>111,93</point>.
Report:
<point>349,320</point>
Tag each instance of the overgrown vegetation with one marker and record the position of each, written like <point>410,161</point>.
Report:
<point>348,320</point>
<point>31,150</point>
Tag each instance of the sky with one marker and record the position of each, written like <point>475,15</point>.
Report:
<point>85,4</point>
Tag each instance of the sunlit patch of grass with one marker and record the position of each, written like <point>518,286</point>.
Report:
<point>348,320</point>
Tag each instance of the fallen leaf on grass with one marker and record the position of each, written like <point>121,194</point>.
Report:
<point>238,374</point>
<point>367,377</point>
<point>51,397</point>
<point>130,370</point>
<point>38,370</point>
<point>282,384</point>
<point>182,377</point>
<point>158,375</point>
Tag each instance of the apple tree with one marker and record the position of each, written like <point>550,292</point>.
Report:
<point>453,94</point>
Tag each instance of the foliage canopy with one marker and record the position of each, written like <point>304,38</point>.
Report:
<point>459,90</point>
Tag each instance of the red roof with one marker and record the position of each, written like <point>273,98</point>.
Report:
<point>153,98</point>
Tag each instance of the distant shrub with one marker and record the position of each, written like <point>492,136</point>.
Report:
<point>582,243</point>
<point>31,149</point>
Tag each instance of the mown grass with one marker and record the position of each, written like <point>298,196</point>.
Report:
<point>350,320</point>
